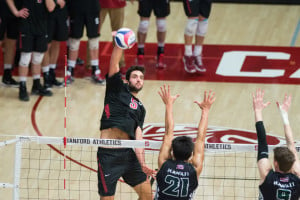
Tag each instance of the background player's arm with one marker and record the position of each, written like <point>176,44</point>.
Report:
<point>61,3</point>
<point>114,61</point>
<point>165,148</point>
<point>23,13</point>
<point>140,153</point>
<point>263,163</point>
<point>283,109</point>
<point>198,154</point>
<point>50,4</point>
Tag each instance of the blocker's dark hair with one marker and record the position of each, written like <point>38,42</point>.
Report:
<point>183,147</point>
<point>284,157</point>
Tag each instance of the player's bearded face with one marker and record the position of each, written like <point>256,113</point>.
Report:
<point>136,81</point>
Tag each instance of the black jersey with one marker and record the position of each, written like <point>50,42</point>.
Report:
<point>36,23</point>
<point>59,12</point>
<point>83,6</point>
<point>176,180</point>
<point>280,186</point>
<point>5,10</point>
<point>121,109</point>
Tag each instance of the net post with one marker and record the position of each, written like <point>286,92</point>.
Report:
<point>17,170</point>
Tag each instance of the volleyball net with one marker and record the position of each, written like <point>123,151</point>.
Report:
<point>66,168</point>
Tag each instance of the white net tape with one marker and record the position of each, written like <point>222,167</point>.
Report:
<point>229,172</point>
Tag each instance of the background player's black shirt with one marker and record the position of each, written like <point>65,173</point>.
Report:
<point>176,180</point>
<point>4,9</point>
<point>121,109</point>
<point>280,186</point>
<point>36,23</point>
<point>83,6</point>
<point>59,12</point>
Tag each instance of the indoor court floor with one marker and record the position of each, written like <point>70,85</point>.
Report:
<point>268,35</point>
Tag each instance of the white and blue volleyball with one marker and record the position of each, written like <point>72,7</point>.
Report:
<point>125,38</point>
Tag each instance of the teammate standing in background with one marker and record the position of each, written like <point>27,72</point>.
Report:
<point>123,118</point>
<point>115,9</point>
<point>9,32</point>
<point>180,161</point>
<point>284,181</point>
<point>197,12</point>
<point>33,42</point>
<point>161,10</point>
<point>57,33</point>
<point>84,13</point>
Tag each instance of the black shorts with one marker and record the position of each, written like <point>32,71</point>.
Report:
<point>116,163</point>
<point>194,8</point>
<point>90,20</point>
<point>10,26</point>
<point>33,43</point>
<point>161,8</point>
<point>57,26</point>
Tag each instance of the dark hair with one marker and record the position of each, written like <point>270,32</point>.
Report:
<point>134,68</point>
<point>183,147</point>
<point>284,157</point>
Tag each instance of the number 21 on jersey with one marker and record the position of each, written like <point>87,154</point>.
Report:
<point>177,187</point>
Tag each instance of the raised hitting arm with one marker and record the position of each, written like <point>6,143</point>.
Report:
<point>168,100</point>
<point>263,163</point>
<point>283,109</point>
<point>198,155</point>
<point>114,61</point>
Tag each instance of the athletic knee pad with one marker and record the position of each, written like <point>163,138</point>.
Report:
<point>202,27</point>
<point>191,27</point>
<point>143,26</point>
<point>37,58</point>
<point>74,44</point>
<point>161,25</point>
<point>25,59</point>
<point>93,43</point>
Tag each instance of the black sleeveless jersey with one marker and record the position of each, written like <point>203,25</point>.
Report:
<point>36,22</point>
<point>83,6</point>
<point>280,186</point>
<point>5,10</point>
<point>176,180</point>
<point>121,109</point>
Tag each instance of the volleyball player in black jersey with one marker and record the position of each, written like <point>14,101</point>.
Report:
<point>9,27</point>
<point>33,43</point>
<point>122,118</point>
<point>180,161</point>
<point>284,181</point>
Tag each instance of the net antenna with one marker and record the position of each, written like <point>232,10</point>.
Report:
<point>65,124</point>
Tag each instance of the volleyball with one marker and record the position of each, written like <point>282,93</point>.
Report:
<point>125,38</point>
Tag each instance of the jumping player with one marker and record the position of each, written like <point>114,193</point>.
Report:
<point>122,118</point>
<point>197,12</point>
<point>161,10</point>
<point>180,161</point>
<point>284,181</point>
